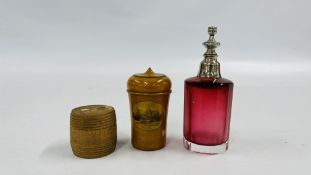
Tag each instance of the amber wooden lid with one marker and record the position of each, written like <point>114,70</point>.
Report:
<point>149,82</point>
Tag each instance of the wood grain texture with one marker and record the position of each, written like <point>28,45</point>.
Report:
<point>93,131</point>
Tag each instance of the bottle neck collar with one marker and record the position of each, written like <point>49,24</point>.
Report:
<point>210,68</point>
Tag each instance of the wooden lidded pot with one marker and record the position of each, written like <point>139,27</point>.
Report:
<point>149,98</point>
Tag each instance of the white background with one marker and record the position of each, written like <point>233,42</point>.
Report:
<point>56,55</point>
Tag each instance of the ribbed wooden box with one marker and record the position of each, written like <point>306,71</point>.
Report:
<point>93,131</point>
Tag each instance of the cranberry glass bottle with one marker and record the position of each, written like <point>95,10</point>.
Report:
<point>207,105</point>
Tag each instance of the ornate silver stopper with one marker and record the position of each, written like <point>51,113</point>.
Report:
<point>210,67</point>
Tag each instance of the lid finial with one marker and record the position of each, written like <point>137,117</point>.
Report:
<point>149,71</point>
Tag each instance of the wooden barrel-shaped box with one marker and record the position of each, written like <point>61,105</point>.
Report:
<point>93,131</point>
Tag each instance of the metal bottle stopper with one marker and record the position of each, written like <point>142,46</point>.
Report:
<point>210,67</point>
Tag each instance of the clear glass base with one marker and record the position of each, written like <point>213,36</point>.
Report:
<point>217,149</point>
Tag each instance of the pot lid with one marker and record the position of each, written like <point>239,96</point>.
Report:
<point>149,81</point>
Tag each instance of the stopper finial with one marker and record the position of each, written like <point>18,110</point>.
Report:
<point>211,43</point>
<point>212,30</point>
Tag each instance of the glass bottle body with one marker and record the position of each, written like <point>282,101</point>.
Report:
<point>207,113</point>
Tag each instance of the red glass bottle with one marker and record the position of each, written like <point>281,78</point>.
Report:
<point>208,100</point>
